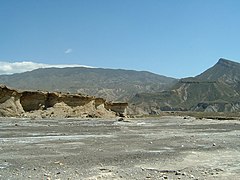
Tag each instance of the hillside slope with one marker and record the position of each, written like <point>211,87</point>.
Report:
<point>225,71</point>
<point>111,84</point>
<point>216,89</point>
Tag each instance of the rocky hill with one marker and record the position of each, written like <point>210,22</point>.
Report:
<point>44,104</point>
<point>216,89</point>
<point>111,84</point>
<point>224,71</point>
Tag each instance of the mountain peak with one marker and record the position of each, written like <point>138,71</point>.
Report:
<point>223,70</point>
<point>227,63</point>
<point>223,60</point>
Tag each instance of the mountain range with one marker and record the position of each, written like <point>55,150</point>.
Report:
<point>110,84</point>
<point>216,89</point>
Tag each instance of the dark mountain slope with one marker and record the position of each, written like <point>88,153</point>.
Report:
<point>112,84</point>
<point>224,71</point>
<point>217,87</point>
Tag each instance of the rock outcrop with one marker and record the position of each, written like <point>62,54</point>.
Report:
<point>10,102</point>
<point>119,108</point>
<point>55,104</point>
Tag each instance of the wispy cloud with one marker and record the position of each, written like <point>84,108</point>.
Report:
<point>18,67</point>
<point>68,51</point>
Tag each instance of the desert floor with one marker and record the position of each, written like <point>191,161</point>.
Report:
<point>160,148</point>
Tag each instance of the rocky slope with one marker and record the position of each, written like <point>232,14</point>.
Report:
<point>216,89</point>
<point>54,104</point>
<point>225,71</point>
<point>110,84</point>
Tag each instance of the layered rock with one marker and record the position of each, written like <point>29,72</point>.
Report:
<point>217,107</point>
<point>119,108</point>
<point>10,102</point>
<point>55,104</point>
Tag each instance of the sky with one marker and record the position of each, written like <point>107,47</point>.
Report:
<point>176,38</point>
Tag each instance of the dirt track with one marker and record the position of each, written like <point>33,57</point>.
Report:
<point>165,148</point>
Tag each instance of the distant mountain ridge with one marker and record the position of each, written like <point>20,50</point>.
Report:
<point>111,84</point>
<point>216,89</point>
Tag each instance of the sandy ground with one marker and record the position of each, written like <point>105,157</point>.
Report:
<point>164,148</point>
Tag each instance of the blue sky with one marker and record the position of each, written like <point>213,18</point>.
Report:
<point>176,38</point>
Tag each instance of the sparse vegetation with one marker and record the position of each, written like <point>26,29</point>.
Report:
<point>111,84</point>
<point>216,89</point>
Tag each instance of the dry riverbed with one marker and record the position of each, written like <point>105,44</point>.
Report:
<point>163,148</point>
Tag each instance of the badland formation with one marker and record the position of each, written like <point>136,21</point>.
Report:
<point>42,104</point>
<point>60,92</point>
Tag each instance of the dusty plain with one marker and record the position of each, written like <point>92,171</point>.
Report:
<point>154,148</point>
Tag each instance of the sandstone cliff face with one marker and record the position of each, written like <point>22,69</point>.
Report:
<point>31,101</point>
<point>9,102</point>
<point>119,108</point>
<point>55,104</point>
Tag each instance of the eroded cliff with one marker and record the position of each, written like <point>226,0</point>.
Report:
<point>41,104</point>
